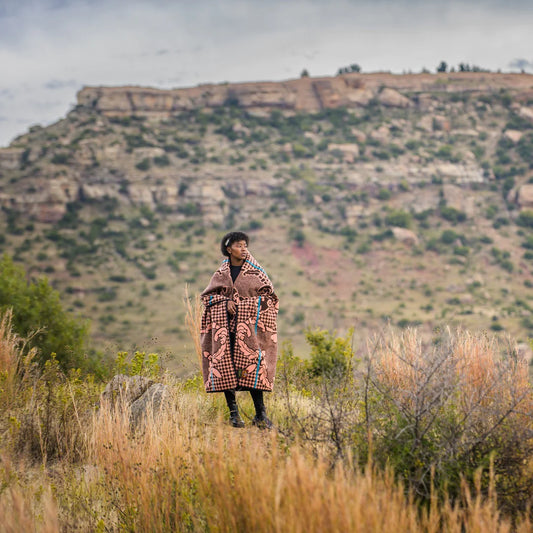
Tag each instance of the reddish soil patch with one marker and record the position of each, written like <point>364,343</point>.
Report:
<point>311,257</point>
<point>327,264</point>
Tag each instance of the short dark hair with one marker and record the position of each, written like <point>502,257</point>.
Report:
<point>230,238</point>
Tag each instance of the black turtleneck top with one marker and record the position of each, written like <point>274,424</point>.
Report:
<point>235,271</point>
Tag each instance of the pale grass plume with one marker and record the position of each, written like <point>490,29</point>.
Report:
<point>470,363</point>
<point>26,506</point>
<point>193,319</point>
<point>15,365</point>
<point>399,357</point>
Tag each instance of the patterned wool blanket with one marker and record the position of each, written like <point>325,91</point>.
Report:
<point>253,362</point>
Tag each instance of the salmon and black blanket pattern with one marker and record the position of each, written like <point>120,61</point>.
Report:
<point>253,362</point>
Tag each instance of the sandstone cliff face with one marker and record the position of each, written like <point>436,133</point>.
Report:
<point>305,94</point>
<point>93,158</point>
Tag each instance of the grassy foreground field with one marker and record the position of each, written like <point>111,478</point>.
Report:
<point>68,463</point>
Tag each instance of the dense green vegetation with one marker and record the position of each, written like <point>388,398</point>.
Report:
<point>39,317</point>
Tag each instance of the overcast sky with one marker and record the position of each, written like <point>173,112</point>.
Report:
<point>49,49</point>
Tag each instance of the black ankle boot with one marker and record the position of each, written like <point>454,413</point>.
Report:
<point>260,419</point>
<point>235,419</point>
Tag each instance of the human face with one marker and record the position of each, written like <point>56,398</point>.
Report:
<point>238,252</point>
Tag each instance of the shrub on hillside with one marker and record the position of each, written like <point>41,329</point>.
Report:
<point>60,159</point>
<point>39,316</point>
<point>161,161</point>
<point>330,355</point>
<point>445,152</point>
<point>45,412</point>
<point>384,194</point>
<point>399,218</point>
<point>449,236</point>
<point>525,218</point>
<point>528,243</point>
<point>525,148</point>
<point>144,164</point>
<point>451,214</point>
<point>436,412</point>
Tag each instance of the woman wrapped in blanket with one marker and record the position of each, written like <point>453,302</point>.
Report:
<point>239,333</point>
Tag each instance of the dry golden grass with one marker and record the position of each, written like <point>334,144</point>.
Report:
<point>193,319</point>
<point>475,361</point>
<point>182,474</point>
<point>15,365</point>
<point>21,512</point>
<point>188,471</point>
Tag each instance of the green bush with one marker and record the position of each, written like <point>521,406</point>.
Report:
<point>144,164</point>
<point>437,412</point>
<point>39,316</point>
<point>189,209</point>
<point>330,356</point>
<point>452,215</point>
<point>60,159</point>
<point>136,141</point>
<point>396,150</point>
<point>412,144</point>
<point>139,365</point>
<point>162,161</point>
<point>118,278</point>
<point>399,218</point>
<point>528,243</point>
<point>387,234</point>
<point>449,236</point>
<point>445,152</point>
<point>384,194</point>
<point>381,154</point>
<point>300,151</point>
<point>506,264</point>
<point>491,212</point>
<point>297,235</point>
<point>525,148</point>
<point>525,218</point>
<point>408,323</point>
<point>461,250</point>
<point>107,294</point>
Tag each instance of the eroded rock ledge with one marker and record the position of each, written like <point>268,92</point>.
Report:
<point>304,94</point>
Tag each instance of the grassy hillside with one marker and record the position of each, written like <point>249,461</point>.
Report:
<point>324,196</point>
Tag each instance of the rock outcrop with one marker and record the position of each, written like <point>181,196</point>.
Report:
<point>304,94</point>
<point>350,152</point>
<point>96,156</point>
<point>513,135</point>
<point>526,112</point>
<point>405,235</point>
<point>525,195</point>
<point>10,158</point>
<point>392,98</point>
<point>139,395</point>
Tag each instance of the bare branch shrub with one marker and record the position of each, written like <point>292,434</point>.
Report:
<point>437,412</point>
<point>322,402</point>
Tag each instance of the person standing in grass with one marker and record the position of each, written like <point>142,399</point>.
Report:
<point>239,332</point>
